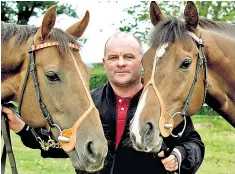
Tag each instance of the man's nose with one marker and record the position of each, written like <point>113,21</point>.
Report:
<point>121,61</point>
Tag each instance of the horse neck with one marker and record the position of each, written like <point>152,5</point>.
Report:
<point>14,64</point>
<point>219,51</point>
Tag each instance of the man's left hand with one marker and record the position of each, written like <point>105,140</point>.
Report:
<point>170,163</point>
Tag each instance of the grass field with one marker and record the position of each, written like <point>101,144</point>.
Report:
<point>217,134</point>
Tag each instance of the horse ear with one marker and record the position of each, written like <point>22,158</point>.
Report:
<point>48,22</point>
<point>78,28</point>
<point>191,16</point>
<point>155,13</point>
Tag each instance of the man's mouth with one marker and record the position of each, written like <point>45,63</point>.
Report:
<point>122,72</point>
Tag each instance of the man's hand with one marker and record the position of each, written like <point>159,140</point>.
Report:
<point>170,163</point>
<point>15,123</point>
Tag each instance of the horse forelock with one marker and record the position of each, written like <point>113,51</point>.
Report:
<point>23,32</point>
<point>168,31</point>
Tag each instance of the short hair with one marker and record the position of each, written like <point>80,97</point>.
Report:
<point>118,33</point>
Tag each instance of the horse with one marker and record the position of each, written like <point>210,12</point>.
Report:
<point>48,59</point>
<point>189,61</point>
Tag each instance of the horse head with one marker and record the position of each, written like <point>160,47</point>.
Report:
<point>169,73</point>
<point>56,93</point>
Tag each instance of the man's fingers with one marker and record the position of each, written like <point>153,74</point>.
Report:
<point>168,159</point>
<point>170,163</point>
<point>171,168</point>
<point>6,110</point>
<point>161,154</point>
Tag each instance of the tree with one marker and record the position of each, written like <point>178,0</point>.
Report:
<point>20,11</point>
<point>215,10</point>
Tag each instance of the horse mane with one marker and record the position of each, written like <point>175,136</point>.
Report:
<point>218,26</point>
<point>24,32</point>
<point>173,29</point>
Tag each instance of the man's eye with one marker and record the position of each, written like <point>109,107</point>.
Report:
<point>129,56</point>
<point>112,58</point>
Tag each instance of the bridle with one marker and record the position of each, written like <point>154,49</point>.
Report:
<point>67,137</point>
<point>166,128</point>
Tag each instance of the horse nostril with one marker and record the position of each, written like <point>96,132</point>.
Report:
<point>148,133</point>
<point>90,148</point>
<point>93,153</point>
<point>149,128</point>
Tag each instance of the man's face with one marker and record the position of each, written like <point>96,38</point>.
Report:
<point>122,60</point>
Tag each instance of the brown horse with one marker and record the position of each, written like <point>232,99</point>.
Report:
<point>188,61</point>
<point>62,101</point>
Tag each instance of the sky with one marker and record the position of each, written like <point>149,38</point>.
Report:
<point>105,17</point>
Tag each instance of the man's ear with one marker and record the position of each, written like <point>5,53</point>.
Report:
<point>103,60</point>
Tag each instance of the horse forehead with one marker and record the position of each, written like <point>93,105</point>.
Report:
<point>51,58</point>
<point>177,48</point>
<point>160,51</point>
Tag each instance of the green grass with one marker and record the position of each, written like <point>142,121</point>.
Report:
<point>219,139</point>
<point>217,134</point>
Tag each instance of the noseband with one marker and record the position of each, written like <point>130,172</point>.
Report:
<point>66,138</point>
<point>166,128</point>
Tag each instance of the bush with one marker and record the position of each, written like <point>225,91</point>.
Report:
<point>97,80</point>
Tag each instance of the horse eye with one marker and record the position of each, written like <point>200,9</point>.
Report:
<point>186,64</point>
<point>52,76</point>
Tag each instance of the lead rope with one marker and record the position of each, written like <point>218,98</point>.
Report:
<point>7,149</point>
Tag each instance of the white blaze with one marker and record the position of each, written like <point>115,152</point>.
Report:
<point>135,128</point>
<point>161,50</point>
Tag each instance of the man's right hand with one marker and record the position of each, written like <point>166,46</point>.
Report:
<point>15,123</point>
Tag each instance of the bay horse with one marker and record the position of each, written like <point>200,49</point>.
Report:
<point>189,61</point>
<point>48,59</point>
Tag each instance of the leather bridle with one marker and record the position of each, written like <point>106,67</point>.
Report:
<point>67,137</point>
<point>165,127</point>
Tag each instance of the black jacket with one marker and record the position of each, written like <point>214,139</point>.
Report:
<point>126,160</point>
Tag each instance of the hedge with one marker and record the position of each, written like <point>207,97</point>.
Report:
<point>97,80</point>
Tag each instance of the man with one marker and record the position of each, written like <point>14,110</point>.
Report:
<point>117,102</point>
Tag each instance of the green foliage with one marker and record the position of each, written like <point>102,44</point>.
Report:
<point>137,16</point>
<point>98,75</point>
<point>97,80</point>
<point>217,10</point>
<point>97,68</point>
<point>20,11</point>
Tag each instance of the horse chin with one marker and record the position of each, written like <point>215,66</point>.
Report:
<point>149,147</point>
<point>81,163</point>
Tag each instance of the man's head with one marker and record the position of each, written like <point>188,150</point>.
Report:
<point>122,59</point>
